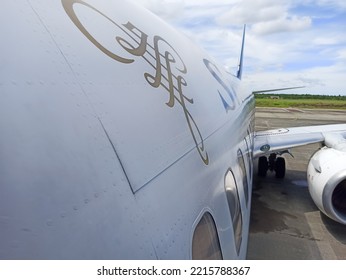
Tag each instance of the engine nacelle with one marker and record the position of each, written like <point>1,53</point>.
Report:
<point>327,182</point>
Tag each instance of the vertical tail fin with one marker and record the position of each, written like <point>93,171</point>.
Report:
<point>240,67</point>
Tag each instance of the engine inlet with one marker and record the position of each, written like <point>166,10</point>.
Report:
<point>339,198</point>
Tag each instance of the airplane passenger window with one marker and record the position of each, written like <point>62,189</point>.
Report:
<point>241,162</point>
<point>205,243</point>
<point>234,208</point>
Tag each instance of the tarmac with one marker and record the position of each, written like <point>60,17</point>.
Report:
<point>285,223</point>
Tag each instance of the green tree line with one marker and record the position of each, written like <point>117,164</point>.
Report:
<point>301,96</point>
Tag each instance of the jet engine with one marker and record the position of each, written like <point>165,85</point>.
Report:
<point>326,177</point>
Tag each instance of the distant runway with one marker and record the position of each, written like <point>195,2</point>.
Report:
<point>285,223</point>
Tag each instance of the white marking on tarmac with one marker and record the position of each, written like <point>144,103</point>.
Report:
<point>267,124</point>
<point>295,110</point>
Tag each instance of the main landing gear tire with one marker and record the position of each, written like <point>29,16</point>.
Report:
<point>280,168</point>
<point>274,163</point>
<point>262,166</point>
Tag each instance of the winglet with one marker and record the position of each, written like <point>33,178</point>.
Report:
<point>240,67</point>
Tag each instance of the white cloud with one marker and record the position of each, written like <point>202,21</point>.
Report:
<point>341,55</point>
<point>284,24</point>
<point>166,9</point>
<point>285,44</point>
<point>338,4</point>
<point>325,40</point>
<point>318,80</point>
<point>252,12</point>
<point>266,16</point>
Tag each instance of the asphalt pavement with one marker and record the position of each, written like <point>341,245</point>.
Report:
<point>285,223</point>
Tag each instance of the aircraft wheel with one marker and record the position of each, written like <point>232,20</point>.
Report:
<point>262,166</point>
<point>280,168</point>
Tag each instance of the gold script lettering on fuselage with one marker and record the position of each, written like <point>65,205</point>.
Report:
<point>168,66</point>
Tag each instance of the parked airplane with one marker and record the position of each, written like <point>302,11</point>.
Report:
<point>120,139</point>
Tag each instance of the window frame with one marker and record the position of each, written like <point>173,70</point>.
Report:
<point>237,213</point>
<point>244,175</point>
<point>206,230</point>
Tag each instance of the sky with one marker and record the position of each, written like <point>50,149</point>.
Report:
<point>288,42</point>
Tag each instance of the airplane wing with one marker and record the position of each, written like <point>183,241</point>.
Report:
<point>271,141</point>
<point>276,89</point>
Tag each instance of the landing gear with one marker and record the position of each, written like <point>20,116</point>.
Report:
<point>280,168</point>
<point>262,166</point>
<point>272,163</point>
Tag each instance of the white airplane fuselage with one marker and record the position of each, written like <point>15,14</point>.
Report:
<point>117,135</point>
